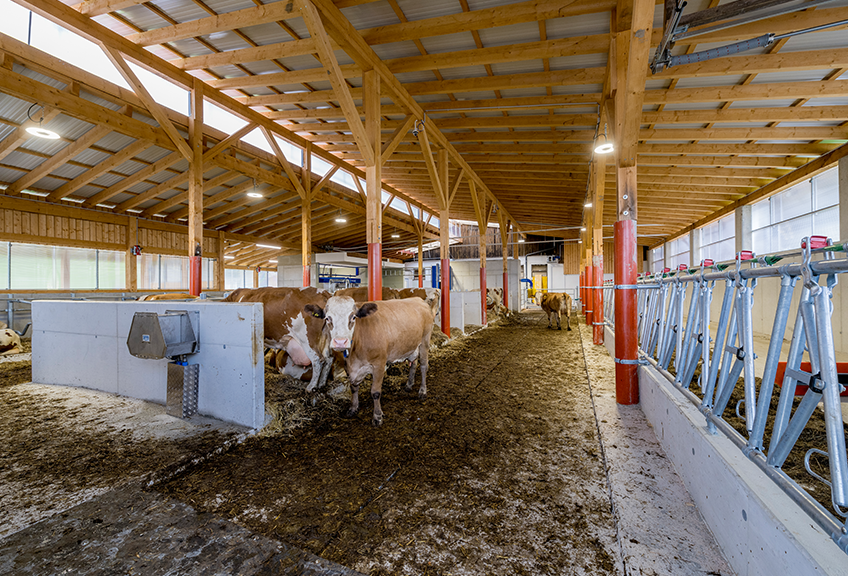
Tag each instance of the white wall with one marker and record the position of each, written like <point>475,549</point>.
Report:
<point>85,344</point>
<point>467,274</point>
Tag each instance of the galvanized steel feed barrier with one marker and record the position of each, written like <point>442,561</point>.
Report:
<point>668,338</point>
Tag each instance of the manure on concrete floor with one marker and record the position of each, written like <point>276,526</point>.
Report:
<point>498,471</point>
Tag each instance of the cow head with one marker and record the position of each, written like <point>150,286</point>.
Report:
<point>340,316</point>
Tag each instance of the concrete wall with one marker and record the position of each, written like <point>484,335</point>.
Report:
<point>85,344</point>
<point>467,273</point>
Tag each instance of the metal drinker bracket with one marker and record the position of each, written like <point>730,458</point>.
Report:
<point>172,335</point>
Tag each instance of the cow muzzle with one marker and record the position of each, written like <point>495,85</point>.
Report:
<point>340,344</point>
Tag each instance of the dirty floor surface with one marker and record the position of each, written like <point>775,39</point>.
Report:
<point>499,471</point>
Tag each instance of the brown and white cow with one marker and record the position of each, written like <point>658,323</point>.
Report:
<point>10,342</point>
<point>554,303</point>
<point>494,301</point>
<point>413,293</point>
<point>374,334</point>
<point>290,329</point>
<point>167,296</point>
<point>361,294</point>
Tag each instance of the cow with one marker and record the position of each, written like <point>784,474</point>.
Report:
<point>554,303</point>
<point>290,329</point>
<point>494,300</point>
<point>167,296</point>
<point>376,333</point>
<point>10,342</point>
<point>413,293</point>
<point>361,294</point>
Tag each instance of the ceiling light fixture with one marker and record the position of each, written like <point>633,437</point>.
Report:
<point>587,205</point>
<point>269,246</point>
<point>254,193</point>
<point>582,229</point>
<point>40,131</point>
<point>521,240</point>
<point>604,147</point>
<point>340,218</point>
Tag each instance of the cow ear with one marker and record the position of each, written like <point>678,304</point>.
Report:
<point>314,310</point>
<point>366,310</point>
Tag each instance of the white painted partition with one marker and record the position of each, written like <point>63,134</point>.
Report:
<point>85,344</point>
<point>760,530</point>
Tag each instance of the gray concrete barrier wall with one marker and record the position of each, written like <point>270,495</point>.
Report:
<point>85,344</point>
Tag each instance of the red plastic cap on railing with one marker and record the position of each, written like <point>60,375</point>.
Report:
<point>666,270</point>
<point>707,262</point>
<point>745,255</point>
<point>682,267</point>
<point>816,242</point>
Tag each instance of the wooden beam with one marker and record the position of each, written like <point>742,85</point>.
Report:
<point>284,162</point>
<point>133,179</point>
<point>373,159</point>
<point>229,141</point>
<point>309,13</point>
<point>152,106</point>
<point>82,143</point>
<point>788,114</point>
<point>113,161</point>
<point>130,259</point>
<point>195,179</point>
<point>392,143</point>
<point>208,202</point>
<point>436,182</point>
<point>780,90</point>
<point>182,196</point>
<point>11,142</point>
<point>803,133</point>
<point>252,54</point>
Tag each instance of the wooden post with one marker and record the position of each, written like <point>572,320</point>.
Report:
<point>195,188</point>
<point>444,238</point>
<point>130,260</point>
<point>373,185</point>
<point>598,181</point>
<point>306,216</point>
<point>504,229</point>
<point>256,276</point>
<point>420,259</point>
<point>482,214</point>
<point>220,274</point>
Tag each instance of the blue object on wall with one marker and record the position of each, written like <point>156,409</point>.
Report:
<point>434,276</point>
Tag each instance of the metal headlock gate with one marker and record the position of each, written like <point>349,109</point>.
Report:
<point>666,337</point>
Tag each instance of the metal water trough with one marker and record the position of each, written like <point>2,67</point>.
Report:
<point>171,335</point>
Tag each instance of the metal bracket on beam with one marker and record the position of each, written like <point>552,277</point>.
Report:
<point>630,361</point>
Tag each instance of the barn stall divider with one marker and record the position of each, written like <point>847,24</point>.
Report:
<point>679,347</point>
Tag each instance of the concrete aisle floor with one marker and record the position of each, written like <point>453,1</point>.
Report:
<point>127,529</point>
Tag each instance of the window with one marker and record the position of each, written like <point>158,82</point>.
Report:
<point>39,267</point>
<point>678,252</point>
<point>238,278</point>
<point>658,258</point>
<point>718,240</point>
<point>810,207</point>
<point>267,278</point>
<point>163,272</point>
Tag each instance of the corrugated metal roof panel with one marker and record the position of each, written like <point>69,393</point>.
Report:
<point>796,76</point>
<point>224,6</point>
<point>697,126</point>
<point>523,92</point>
<point>68,171</point>
<point>507,68</point>
<point>761,104</point>
<point>449,43</point>
<point>709,81</point>
<point>138,15</point>
<point>512,34</point>
<point>813,124</point>
<point>483,4</point>
<point>370,15</point>
<point>443,98</point>
<point>406,49</point>
<point>36,76</point>
<point>577,89</point>
<point>262,34</point>
<point>464,72</point>
<point>834,101</point>
<point>304,62</point>
<point>817,41</point>
<point>577,62</point>
<point>657,84</point>
<point>675,106</point>
<point>585,25</point>
<point>417,10</point>
<point>423,76</point>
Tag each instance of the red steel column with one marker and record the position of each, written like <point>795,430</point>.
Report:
<point>446,296</point>
<point>598,307</point>
<point>307,276</point>
<point>375,272</point>
<point>583,291</point>
<point>483,292</point>
<point>590,276</point>
<point>506,289</point>
<point>626,348</point>
<point>195,275</point>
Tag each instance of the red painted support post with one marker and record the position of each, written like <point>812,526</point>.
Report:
<point>583,292</point>
<point>506,289</point>
<point>195,276</point>
<point>483,293</point>
<point>375,272</point>
<point>598,307</point>
<point>446,296</point>
<point>626,348</point>
<point>590,276</point>
<point>307,276</point>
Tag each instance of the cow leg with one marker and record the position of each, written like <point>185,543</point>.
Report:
<point>549,320</point>
<point>568,320</point>
<point>354,399</point>
<point>423,352</point>
<point>377,392</point>
<point>326,368</point>
<point>411,380</point>
<point>559,321</point>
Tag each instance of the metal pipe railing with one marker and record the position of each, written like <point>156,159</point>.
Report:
<point>666,336</point>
